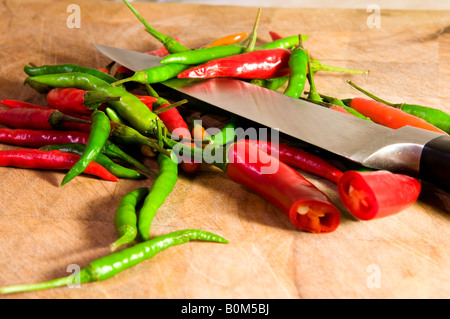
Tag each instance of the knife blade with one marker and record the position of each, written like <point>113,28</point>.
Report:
<point>408,150</point>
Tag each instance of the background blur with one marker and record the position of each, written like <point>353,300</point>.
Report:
<point>357,4</point>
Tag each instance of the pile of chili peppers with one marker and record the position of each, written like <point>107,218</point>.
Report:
<point>94,115</point>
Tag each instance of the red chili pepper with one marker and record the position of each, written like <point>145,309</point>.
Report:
<point>147,100</point>
<point>275,35</point>
<point>39,119</point>
<point>298,158</point>
<point>389,116</point>
<point>123,72</point>
<point>76,101</point>
<point>308,208</point>
<point>21,104</point>
<point>259,64</point>
<point>377,194</point>
<point>177,126</point>
<point>39,138</point>
<point>51,160</point>
<point>104,70</point>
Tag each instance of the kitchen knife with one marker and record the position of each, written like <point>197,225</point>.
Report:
<point>408,150</point>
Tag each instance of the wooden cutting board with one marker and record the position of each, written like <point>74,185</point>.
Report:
<point>46,229</point>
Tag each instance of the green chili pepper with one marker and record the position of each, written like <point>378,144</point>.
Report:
<point>433,116</point>
<point>298,70</point>
<point>113,116</point>
<point>110,265</point>
<point>156,74</point>
<point>171,44</point>
<point>98,135</point>
<point>284,43</point>
<point>226,135</point>
<point>113,167</point>
<point>129,107</point>
<point>160,189</point>
<point>271,84</point>
<point>125,219</point>
<point>114,152</point>
<point>68,68</point>
<point>202,55</point>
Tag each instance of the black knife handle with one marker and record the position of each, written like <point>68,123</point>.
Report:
<point>435,162</point>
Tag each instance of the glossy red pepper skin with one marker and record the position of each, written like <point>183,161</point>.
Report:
<point>26,118</point>
<point>377,194</point>
<point>22,104</point>
<point>50,160</point>
<point>39,138</point>
<point>298,158</point>
<point>68,100</point>
<point>39,119</point>
<point>259,64</point>
<point>285,188</point>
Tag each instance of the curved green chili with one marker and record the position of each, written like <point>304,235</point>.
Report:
<point>125,219</point>
<point>128,107</point>
<point>113,167</point>
<point>98,135</point>
<point>110,265</point>
<point>160,189</point>
<point>298,70</point>
<point>68,68</point>
<point>433,116</point>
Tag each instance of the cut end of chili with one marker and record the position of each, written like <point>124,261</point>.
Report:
<point>370,195</point>
<point>316,218</point>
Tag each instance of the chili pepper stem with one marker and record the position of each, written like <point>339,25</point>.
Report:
<point>312,95</point>
<point>59,282</point>
<point>125,133</point>
<point>129,234</point>
<point>317,66</point>
<point>399,105</point>
<point>139,76</point>
<point>171,106</point>
<point>253,35</point>
<point>93,99</point>
<point>169,43</point>
<point>56,118</point>
<point>113,151</point>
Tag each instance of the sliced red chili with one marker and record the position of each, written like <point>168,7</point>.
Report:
<point>298,158</point>
<point>376,194</point>
<point>307,207</point>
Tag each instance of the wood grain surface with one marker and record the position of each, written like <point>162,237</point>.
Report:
<point>45,228</point>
